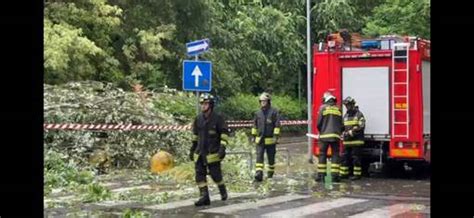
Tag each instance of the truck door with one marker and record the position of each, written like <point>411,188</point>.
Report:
<point>370,88</point>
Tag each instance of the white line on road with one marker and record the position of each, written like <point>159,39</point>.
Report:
<point>253,205</point>
<point>314,208</point>
<point>388,211</point>
<point>131,188</point>
<point>112,203</point>
<point>189,202</point>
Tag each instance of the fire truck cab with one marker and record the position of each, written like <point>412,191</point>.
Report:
<point>390,80</point>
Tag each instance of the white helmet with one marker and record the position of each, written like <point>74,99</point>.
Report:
<point>264,97</point>
<point>328,96</point>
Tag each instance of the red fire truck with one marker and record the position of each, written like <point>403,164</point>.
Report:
<point>390,81</point>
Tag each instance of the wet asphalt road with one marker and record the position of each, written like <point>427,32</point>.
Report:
<point>369,197</point>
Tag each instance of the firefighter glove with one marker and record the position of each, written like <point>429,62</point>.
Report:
<point>222,152</point>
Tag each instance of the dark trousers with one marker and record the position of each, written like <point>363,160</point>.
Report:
<point>271,151</point>
<point>351,157</point>
<point>323,150</point>
<point>201,168</point>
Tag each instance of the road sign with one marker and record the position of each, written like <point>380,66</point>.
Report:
<point>197,76</point>
<point>197,47</point>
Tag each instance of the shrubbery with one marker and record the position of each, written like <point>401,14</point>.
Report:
<point>244,106</point>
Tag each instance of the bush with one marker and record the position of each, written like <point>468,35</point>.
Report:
<point>244,106</point>
<point>182,105</point>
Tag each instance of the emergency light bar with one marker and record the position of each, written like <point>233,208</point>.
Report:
<point>368,44</point>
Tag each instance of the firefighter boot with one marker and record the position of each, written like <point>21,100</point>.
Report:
<point>259,176</point>
<point>204,199</point>
<point>270,174</point>
<point>223,192</point>
<point>355,178</point>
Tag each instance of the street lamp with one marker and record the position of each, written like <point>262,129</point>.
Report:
<point>308,72</point>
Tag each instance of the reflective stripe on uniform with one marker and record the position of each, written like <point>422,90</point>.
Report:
<point>211,158</point>
<point>268,140</point>
<point>259,166</point>
<point>333,112</point>
<point>257,140</point>
<point>335,168</point>
<point>358,168</point>
<point>357,173</point>
<point>351,122</point>
<point>254,131</point>
<point>276,131</point>
<point>271,167</point>
<point>329,135</point>
<point>321,167</point>
<point>355,142</point>
<point>212,132</point>
<point>344,170</point>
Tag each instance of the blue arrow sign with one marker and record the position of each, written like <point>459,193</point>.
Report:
<point>197,47</point>
<point>197,76</point>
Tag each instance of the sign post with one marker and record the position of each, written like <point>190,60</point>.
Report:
<point>197,92</point>
<point>197,76</point>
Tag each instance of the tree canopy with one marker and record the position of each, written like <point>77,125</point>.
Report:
<point>255,44</point>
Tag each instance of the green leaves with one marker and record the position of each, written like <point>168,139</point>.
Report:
<point>404,17</point>
<point>255,45</point>
<point>244,106</point>
<point>332,15</point>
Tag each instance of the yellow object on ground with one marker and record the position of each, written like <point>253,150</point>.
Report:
<point>161,162</point>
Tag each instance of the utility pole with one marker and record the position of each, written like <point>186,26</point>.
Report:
<point>308,72</point>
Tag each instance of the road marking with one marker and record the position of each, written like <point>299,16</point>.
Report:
<point>70,197</point>
<point>131,188</point>
<point>112,203</point>
<point>253,205</point>
<point>315,208</point>
<point>190,202</point>
<point>388,211</point>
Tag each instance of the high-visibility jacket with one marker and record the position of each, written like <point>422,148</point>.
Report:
<point>329,123</point>
<point>209,135</point>
<point>354,120</point>
<point>266,126</point>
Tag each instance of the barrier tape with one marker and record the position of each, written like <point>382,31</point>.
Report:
<point>128,127</point>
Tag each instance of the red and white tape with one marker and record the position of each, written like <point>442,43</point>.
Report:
<point>127,127</point>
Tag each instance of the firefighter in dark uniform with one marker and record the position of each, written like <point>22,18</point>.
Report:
<point>353,136</point>
<point>330,127</point>
<point>208,148</point>
<point>266,133</point>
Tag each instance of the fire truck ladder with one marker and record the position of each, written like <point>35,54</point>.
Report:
<point>400,90</point>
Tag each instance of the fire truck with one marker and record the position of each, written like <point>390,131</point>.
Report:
<point>390,80</point>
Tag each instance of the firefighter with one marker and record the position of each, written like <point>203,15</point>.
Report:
<point>330,127</point>
<point>208,148</point>
<point>353,136</point>
<point>266,134</point>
